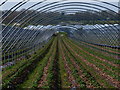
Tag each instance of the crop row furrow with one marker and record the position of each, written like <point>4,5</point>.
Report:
<point>105,49</point>
<point>43,79</point>
<point>104,60</point>
<point>69,72</point>
<point>104,75</point>
<point>45,73</point>
<point>63,73</point>
<point>113,71</point>
<point>19,76</point>
<point>80,72</point>
<point>98,50</point>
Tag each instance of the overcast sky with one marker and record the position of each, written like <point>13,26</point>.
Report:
<point>7,5</point>
<point>58,0</point>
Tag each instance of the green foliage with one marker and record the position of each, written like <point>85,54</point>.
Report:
<point>58,48</point>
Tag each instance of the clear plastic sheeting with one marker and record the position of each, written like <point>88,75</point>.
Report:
<point>27,26</point>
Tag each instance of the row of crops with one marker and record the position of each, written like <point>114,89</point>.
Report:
<point>19,43</point>
<point>64,63</point>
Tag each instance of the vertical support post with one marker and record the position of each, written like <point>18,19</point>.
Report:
<point>8,57</point>
<point>12,56</point>
<point>4,58</point>
<point>34,48</point>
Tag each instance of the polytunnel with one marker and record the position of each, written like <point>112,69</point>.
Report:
<point>60,44</point>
